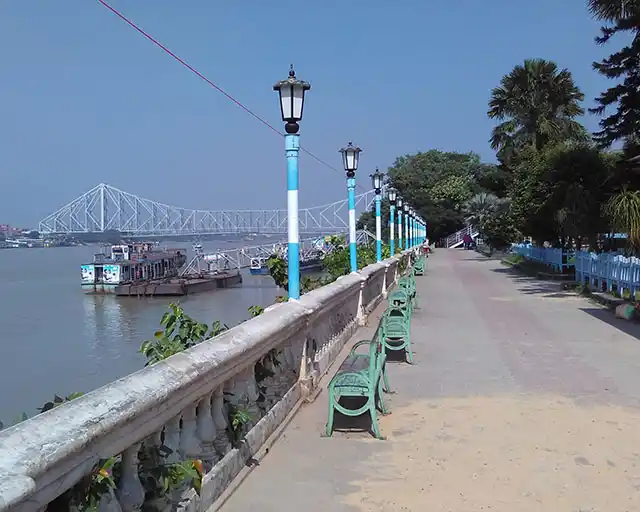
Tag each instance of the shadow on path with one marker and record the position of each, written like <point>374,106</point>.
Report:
<point>534,286</point>
<point>606,316</point>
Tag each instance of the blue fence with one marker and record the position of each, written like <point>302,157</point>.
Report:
<point>548,256</point>
<point>608,272</point>
<point>604,272</point>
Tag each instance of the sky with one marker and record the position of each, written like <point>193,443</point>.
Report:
<point>85,99</point>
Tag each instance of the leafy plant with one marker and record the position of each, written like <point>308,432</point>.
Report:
<point>238,418</point>
<point>180,333</point>
<point>255,311</point>
<point>160,478</point>
<point>623,209</point>
<point>278,270</point>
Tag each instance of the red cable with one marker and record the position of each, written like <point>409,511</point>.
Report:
<point>200,75</point>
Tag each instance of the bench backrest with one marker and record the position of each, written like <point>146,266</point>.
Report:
<point>399,298</point>
<point>406,284</point>
<point>396,312</point>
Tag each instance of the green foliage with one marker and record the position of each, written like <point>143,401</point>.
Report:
<point>255,311</point>
<point>556,193</point>
<point>622,17</point>
<point>160,478</point>
<point>279,271</point>
<point>490,214</point>
<point>537,104</point>
<point>180,333</point>
<point>623,209</point>
<point>438,185</point>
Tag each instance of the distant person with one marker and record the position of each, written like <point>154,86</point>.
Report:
<point>467,241</point>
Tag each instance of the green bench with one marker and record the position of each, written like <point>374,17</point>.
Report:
<point>418,267</point>
<point>400,298</point>
<point>396,328</point>
<point>408,284</point>
<point>361,375</point>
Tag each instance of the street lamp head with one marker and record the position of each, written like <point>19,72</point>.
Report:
<point>406,208</point>
<point>399,202</point>
<point>350,157</point>
<point>392,193</point>
<point>291,93</point>
<point>376,180</point>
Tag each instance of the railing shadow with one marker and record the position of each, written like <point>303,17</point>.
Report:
<point>530,285</point>
<point>628,327</point>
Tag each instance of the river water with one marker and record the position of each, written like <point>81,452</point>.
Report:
<point>56,339</point>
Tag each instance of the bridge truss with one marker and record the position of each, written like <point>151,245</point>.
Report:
<point>106,208</point>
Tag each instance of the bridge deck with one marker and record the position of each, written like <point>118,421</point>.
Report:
<point>522,398</point>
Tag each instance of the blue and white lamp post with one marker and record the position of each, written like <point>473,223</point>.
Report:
<point>410,225</point>
<point>399,202</point>
<point>407,242</point>
<point>291,92</point>
<point>392,210</point>
<point>350,157</point>
<point>412,216</point>
<point>376,181</point>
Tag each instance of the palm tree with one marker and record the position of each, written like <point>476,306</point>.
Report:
<point>483,205</point>
<point>623,210</point>
<point>613,10</point>
<point>537,104</point>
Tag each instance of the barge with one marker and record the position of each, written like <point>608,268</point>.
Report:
<point>144,270</point>
<point>180,286</point>
<point>127,264</point>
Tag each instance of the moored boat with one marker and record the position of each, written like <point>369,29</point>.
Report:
<point>258,267</point>
<point>128,264</point>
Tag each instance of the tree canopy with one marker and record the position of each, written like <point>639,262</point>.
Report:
<point>621,17</point>
<point>537,104</point>
<point>554,182</point>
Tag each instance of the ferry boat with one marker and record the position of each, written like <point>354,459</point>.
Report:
<point>130,264</point>
<point>258,267</point>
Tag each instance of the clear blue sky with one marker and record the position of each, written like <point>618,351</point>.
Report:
<point>85,99</point>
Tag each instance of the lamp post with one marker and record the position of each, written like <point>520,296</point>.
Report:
<point>407,242</point>
<point>412,216</point>
<point>410,227</point>
<point>392,210</point>
<point>350,157</point>
<point>291,92</point>
<point>376,181</point>
<point>399,202</point>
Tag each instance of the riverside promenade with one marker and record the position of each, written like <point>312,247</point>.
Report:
<point>522,397</point>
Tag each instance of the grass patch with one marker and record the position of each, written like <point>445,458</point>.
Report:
<point>528,266</point>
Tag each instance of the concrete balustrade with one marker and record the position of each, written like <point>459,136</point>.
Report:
<point>183,402</point>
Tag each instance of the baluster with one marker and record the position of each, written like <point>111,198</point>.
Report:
<point>251,393</point>
<point>172,440</point>
<point>222,443</point>
<point>130,491</point>
<point>189,443</point>
<point>207,430</point>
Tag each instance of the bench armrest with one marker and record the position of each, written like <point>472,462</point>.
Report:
<point>360,344</point>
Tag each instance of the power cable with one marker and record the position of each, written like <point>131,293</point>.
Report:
<point>212,84</point>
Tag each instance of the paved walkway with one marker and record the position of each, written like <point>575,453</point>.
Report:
<point>522,398</point>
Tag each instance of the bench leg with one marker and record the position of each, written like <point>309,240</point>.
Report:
<point>408,347</point>
<point>331,413</point>
<point>385,380</point>
<point>380,395</point>
<point>374,419</point>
